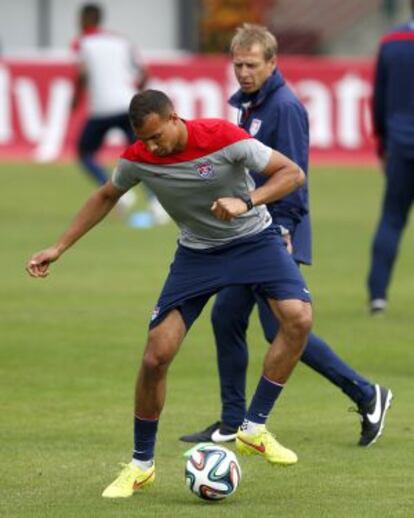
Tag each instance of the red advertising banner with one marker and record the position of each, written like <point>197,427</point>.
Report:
<point>36,122</point>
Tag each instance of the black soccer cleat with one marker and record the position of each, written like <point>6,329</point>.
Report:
<point>373,416</point>
<point>217,432</point>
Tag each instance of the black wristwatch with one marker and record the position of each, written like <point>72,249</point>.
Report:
<point>248,201</point>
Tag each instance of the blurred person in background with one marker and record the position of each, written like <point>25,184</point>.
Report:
<point>271,112</point>
<point>111,72</point>
<point>393,108</point>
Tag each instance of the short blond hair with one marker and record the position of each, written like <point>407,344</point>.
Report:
<point>248,34</point>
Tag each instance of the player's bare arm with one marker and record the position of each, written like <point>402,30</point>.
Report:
<point>94,210</point>
<point>284,177</point>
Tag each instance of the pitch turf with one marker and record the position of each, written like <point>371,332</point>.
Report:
<point>70,346</point>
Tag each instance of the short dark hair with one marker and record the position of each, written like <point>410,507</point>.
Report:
<point>147,102</point>
<point>93,12</point>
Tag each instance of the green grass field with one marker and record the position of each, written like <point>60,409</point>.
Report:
<point>70,346</point>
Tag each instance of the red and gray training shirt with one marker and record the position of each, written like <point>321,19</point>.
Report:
<point>213,165</point>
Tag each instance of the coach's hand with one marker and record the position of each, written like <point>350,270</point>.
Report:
<point>288,242</point>
<point>228,208</point>
<point>38,264</point>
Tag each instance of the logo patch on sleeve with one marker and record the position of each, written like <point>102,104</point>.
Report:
<point>206,170</point>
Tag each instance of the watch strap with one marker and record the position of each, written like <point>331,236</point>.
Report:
<point>248,201</point>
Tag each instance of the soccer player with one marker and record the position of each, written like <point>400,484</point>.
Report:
<point>274,115</point>
<point>198,170</point>
<point>393,109</point>
<point>111,71</point>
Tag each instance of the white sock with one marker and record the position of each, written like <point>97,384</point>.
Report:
<point>142,464</point>
<point>250,427</point>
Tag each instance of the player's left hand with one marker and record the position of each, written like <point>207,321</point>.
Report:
<point>228,208</point>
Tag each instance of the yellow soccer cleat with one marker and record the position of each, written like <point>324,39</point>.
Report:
<point>130,480</point>
<point>263,443</point>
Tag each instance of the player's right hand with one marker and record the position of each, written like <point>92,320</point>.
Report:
<point>228,208</point>
<point>38,264</point>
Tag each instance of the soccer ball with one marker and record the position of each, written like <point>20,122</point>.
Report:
<point>212,472</point>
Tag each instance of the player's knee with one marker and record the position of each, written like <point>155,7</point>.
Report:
<point>155,360</point>
<point>157,354</point>
<point>304,319</point>
<point>299,322</point>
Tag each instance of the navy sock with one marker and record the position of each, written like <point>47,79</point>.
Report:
<point>320,357</point>
<point>145,431</point>
<point>267,392</point>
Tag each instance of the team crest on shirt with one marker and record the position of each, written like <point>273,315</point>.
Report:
<point>254,127</point>
<point>206,169</point>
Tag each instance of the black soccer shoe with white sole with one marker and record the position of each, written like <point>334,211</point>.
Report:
<point>217,432</point>
<point>373,416</point>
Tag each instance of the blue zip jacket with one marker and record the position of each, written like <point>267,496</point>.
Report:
<point>276,117</point>
<point>393,102</point>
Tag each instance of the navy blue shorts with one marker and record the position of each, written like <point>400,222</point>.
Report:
<point>96,128</point>
<point>261,261</point>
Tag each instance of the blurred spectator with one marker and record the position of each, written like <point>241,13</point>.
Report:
<point>112,73</point>
<point>394,127</point>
